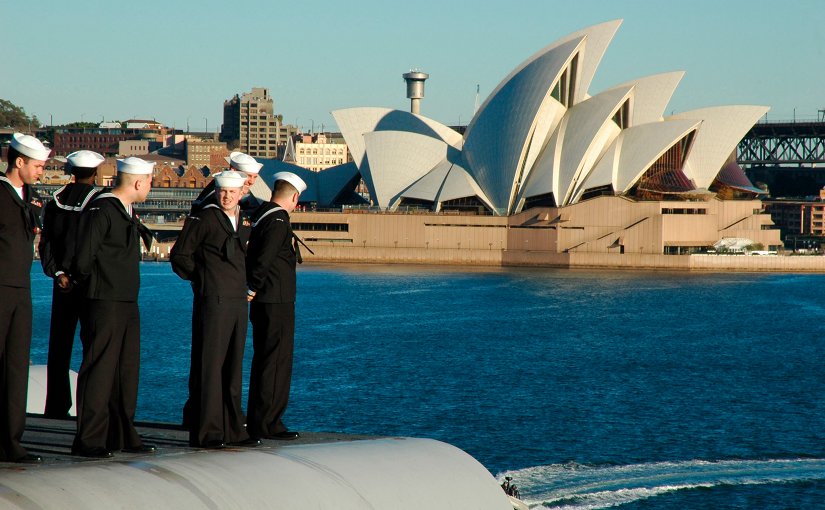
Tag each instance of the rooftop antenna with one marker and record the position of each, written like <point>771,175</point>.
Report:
<point>415,88</point>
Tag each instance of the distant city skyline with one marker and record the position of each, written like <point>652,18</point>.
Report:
<point>94,61</point>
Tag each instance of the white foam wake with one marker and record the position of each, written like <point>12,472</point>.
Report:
<point>575,486</point>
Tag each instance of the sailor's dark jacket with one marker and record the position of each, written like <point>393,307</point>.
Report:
<point>19,224</point>
<point>107,254</point>
<point>211,254</point>
<point>61,217</point>
<point>271,257</point>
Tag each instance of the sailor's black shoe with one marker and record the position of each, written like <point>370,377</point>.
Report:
<point>143,448</point>
<point>29,458</point>
<point>250,442</point>
<point>93,453</point>
<point>286,435</point>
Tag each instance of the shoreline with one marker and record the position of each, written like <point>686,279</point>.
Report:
<point>542,259</point>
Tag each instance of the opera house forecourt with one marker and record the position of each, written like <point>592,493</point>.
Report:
<point>547,172</point>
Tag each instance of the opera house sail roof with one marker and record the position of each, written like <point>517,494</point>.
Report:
<point>542,138</point>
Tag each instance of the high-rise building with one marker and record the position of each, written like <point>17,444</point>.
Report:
<point>250,125</point>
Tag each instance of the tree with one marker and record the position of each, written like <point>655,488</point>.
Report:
<point>15,117</point>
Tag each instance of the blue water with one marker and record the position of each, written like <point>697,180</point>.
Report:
<point>593,389</point>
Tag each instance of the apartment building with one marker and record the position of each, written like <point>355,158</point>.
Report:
<point>251,126</point>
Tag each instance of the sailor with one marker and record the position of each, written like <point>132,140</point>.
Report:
<point>271,260</point>
<point>246,165</point>
<point>60,218</point>
<point>19,224</point>
<point>106,264</point>
<point>210,253</point>
<point>249,168</point>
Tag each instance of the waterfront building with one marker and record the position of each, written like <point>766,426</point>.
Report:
<point>315,152</point>
<point>801,221</point>
<point>251,126</point>
<point>567,169</point>
<point>106,138</point>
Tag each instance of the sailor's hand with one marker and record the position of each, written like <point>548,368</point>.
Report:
<point>63,282</point>
<point>250,295</point>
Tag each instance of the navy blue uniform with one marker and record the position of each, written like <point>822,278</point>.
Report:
<point>106,264</point>
<point>211,253</point>
<point>271,262</point>
<point>56,248</point>
<point>18,226</point>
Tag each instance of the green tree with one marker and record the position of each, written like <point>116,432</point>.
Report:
<point>15,117</point>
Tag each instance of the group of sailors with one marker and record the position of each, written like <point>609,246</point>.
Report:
<point>238,254</point>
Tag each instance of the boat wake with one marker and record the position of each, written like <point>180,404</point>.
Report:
<point>579,487</point>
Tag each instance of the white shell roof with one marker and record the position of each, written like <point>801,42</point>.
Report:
<point>428,186</point>
<point>598,39</point>
<point>651,95</point>
<point>459,184</point>
<point>723,127</point>
<point>549,117</point>
<point>523,143</point>
<point>642,145</point>
<point>543,178</point>
<point>494,159</point>
<point>397,158</point>
<point>355,122</point>
<point>589,131</point>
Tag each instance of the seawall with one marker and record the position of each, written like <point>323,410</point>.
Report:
<point>540,258</point>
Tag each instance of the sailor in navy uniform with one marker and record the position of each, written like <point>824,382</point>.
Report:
<point>270,268</point>
<point>60,218</point>
<point>19,224</point>
<point>249,168</point>
<point>211,253</point>
<point>246,165</point>
<point>106,264</point>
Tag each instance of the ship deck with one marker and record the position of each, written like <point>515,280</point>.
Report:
<point>52,440</point>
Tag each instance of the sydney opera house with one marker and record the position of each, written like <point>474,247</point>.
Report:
<point>545,165</point>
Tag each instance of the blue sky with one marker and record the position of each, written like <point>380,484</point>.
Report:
<point>178,60</point>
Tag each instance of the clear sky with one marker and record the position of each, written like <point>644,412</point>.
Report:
<point>176,61</point>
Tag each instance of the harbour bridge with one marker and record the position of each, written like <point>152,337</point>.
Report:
<point>787,156</point>
<point>784,143</point>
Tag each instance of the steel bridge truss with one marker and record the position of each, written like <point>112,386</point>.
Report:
<point>797,143</point>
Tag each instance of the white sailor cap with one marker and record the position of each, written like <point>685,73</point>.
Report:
<point>230,179</point>
<point>293,179</point>
<point>244,163</point>
<point>30,146</point>
<point>133,165</point>
<point>85,159</point>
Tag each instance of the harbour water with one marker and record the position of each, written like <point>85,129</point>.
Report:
<point>592,389</point>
